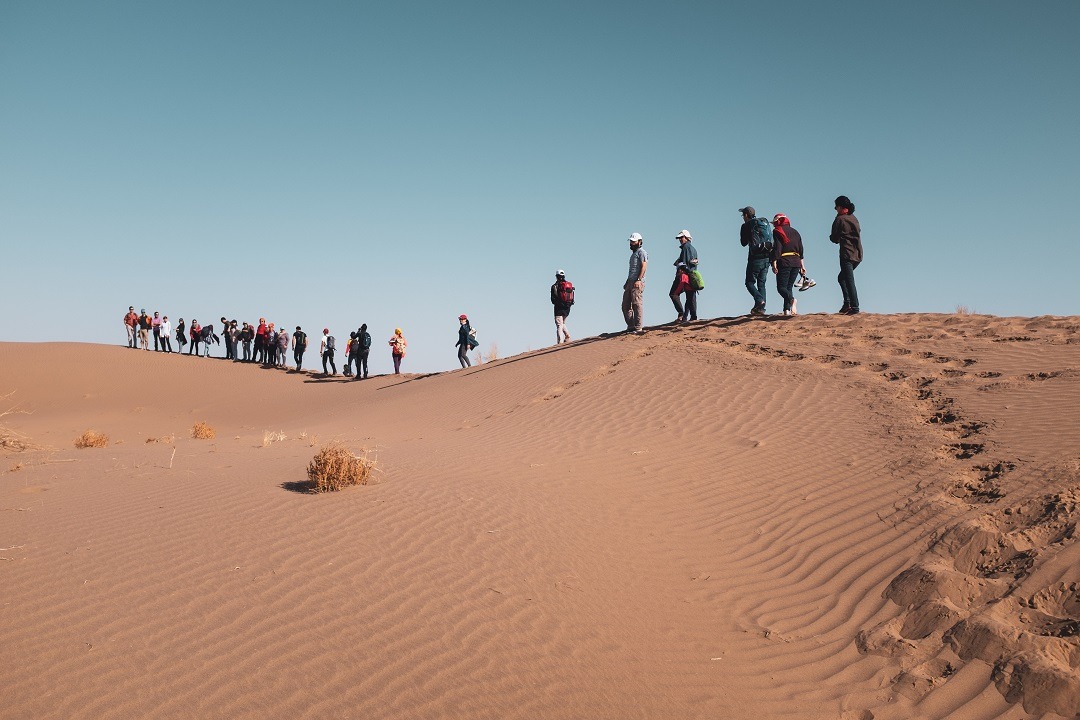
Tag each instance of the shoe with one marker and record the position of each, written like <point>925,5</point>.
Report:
<point>807,283</point>
<point>843,310</point>
<point>637,332</point>
<point>757,310</point>
<point>852,311</point>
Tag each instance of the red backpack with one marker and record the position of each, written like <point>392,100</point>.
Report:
<point>564,290</point>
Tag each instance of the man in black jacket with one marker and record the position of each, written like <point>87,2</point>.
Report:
<point>757,258</point>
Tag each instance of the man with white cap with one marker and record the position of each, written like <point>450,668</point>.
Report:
<point>634,287</point>
<point>686,263</point>
<point>562,297</point>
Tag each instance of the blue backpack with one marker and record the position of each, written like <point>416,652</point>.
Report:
<point>761,237</point>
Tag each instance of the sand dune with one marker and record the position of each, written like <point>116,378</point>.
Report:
<point>822,517</point>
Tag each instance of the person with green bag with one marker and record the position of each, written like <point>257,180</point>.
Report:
<point>687,279</point>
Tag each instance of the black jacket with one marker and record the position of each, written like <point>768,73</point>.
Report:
<point>848,235</point>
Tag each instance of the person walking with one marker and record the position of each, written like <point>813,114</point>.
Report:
<point>131,325</point>
<point>787,260</point>
<point>326,349</point>
<point>299,345</point>
<point>562,298</point>
<point>634,287</point>
<point>685,264</point>
<point>350,354</point>
<point>848,235</point>
<point>397,349</point>
<point>756,235</point>
<point>465,341</point>
<point>363,343</point>
<point>166,334</point>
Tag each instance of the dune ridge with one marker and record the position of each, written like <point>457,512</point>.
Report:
<point>869,516</point>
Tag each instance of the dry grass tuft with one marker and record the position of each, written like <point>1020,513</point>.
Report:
<point>16,467</point>
<point>9,439</point>
<point>335,468</point>
<point>964,310</point>
<point>270,437</point>
<point>92,439</point>
<point>311,440</point>
<point>151,440</point>
<point>202,431</point>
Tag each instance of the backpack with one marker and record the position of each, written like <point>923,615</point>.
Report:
<point>761,237</point>
<point>696,281</point>
<point>365,341</point>
<point>564,290</point>
<point>330,342</point>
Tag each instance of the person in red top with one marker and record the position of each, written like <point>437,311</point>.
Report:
<point>787,259</point>
<point>261,335</point>
<point>131,321</point>
<point>196,337</point>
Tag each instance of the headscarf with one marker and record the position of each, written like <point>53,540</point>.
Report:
<point>779,221</point>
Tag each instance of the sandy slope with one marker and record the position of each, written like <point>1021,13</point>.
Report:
<point>823,517</point>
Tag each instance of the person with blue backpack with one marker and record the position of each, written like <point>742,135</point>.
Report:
<point>363,347</point>
<point>756,235</point>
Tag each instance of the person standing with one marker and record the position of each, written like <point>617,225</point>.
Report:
<point>155,329</point>
<point>363,343</point>
<point>261,334</point>
<point>299,345</point>
<point>848,235</point>
<point>397,349</point>
<point>232,335</point>
<point>247,334</point>
<point>756,235</point>
<point>787,260</point>
<point>562,298</point>
<point>230,348</point>
<point>196,337</point>
<point>166,334</point>
<point>350,354</point>
<point>634,287</point>
<point>145,323</point>
<point>685,264</point>
<point>131,326</point>
<point>326,349</point>
<point>181,336</point>
<point>464,341</point>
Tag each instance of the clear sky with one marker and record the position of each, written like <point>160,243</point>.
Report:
<point>332,163</point>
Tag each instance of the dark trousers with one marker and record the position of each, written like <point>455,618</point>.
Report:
<point>247,350</point>
<point>846,278</point>
<point>757,272</point>
<point>361,363</point>
<point>463,356</point>
<point>166,343</point>
<point>158,344</point>
<point>785,281</point>
<point>328,357</point>
<point>194,347</point>
<point>298,356</point>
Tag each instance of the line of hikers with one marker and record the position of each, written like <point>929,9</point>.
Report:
<point>776,245</point>
<point>262,343</point>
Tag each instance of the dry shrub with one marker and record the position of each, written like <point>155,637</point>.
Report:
<point>335,468</point>
<point>9,439</point>
<point>92,439</point>
<point>202,431</point>
<point>151,440</point>
<point>270,437</point>
<point>964,310</point>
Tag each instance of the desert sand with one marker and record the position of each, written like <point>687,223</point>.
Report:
<point>822,517</point>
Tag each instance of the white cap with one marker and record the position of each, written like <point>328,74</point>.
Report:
<point>636,237</point>
<point>560,273</point>
<point>684,234</point>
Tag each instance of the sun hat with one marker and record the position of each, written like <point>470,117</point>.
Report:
<point>684,234</point>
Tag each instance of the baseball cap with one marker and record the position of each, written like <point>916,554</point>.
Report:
<point>560,273</point>
<point>684,234</point>
<point>748,210</point>
<point>462,317</point>
<point>636,237</point>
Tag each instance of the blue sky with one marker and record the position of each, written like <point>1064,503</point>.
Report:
<point>332,163</point>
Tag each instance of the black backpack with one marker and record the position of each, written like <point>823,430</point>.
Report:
<point>330,342</point>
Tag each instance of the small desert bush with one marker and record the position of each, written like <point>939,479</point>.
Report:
<point>92,439</point>
<point>202,431</point>
<point>335,468</point>
<point>270,437</point>
<point>964,310</point>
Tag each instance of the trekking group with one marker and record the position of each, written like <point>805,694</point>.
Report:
<point>774,245</point>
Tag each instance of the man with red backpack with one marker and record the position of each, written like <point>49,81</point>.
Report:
<point>562,297</point>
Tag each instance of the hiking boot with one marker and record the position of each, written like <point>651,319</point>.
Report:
<point>807,283</point>
<point>757,310</point>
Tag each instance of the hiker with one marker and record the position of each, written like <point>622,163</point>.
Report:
<point>756,235</point>
<point>466,341</point>
<point>634,287</point>
<point>230,349</point>
<point>282,347</point>
<point>350,354</point>
<point>181,336</point>
<point>260,341</point>
<point>247,334</point>
<point>196,337</point>
<point>131,324</point>
<point>397,349</point>
<point>232,335</point>
<point>145,323</point>
<point>562,298</point>
<point>326,349</point>
<point>299,345</point>
<point>787,260</point>
<point>155,328</point>
<point>363,343</point>
<point>166,334</point>
<point>848,235</point>
<point>685,264</point>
